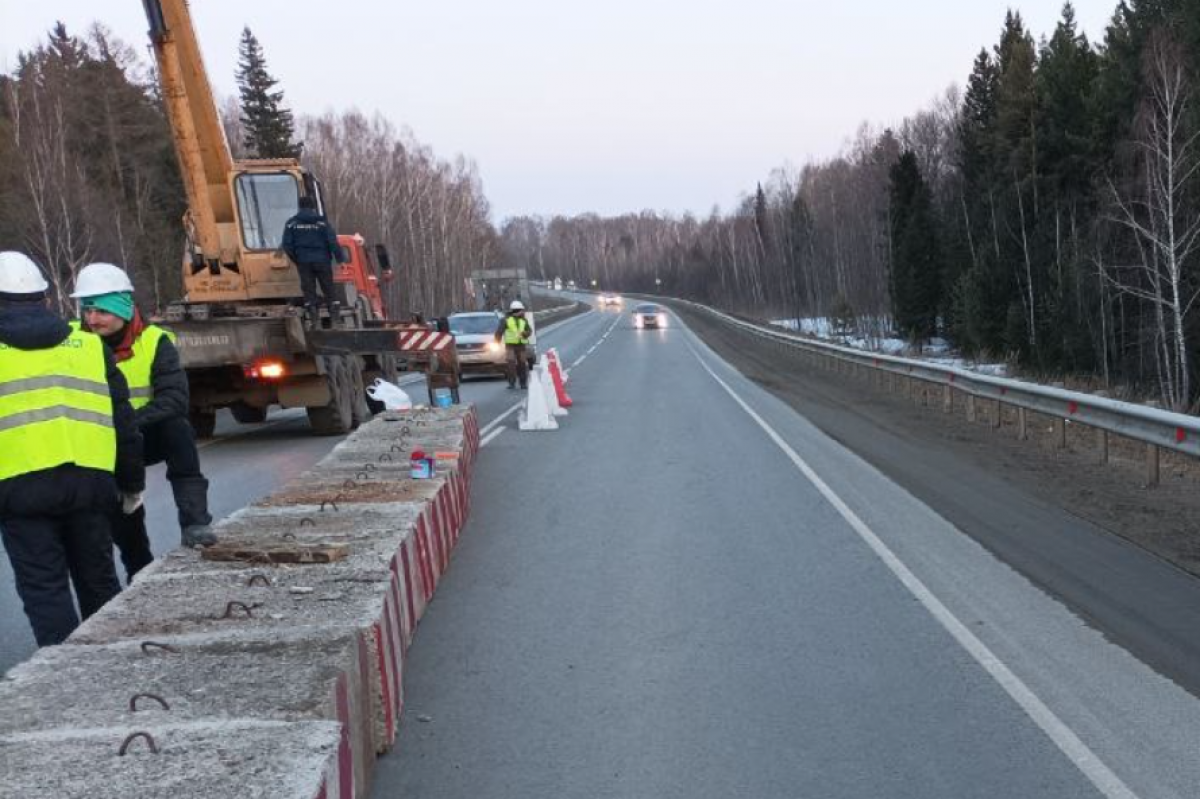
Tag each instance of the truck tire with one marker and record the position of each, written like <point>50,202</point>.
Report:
<point>204,423</point>
<point>248,414</point>
<point>336,418</point>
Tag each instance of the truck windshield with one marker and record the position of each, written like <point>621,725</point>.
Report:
<point>265,204</point>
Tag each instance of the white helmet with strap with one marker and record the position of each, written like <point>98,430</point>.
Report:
<point>516,305</point>
<point>101,278</point>
<point>20,275</point>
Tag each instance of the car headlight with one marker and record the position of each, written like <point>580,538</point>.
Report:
<point>495,346</point>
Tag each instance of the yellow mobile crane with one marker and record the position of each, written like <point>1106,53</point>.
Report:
<point>240,334</point>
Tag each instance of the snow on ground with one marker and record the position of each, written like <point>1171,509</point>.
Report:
<point>937,350</point>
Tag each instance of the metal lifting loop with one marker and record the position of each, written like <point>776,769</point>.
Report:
<point>259,578</point>
<point>349,484</point>
<point>397,447</point>
<point>133,736</point>
<point>229,608</point>
<point>309,521</point>
<point>133,701</point>
<point>362,476</point>
<point>288,535</point>
<point>368,467</point>
<point>148,645</point>
<point>386,457</point>
<point>325,502</point>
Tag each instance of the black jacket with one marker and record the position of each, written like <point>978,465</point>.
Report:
<point>33,326</point>
<point>308,238</point>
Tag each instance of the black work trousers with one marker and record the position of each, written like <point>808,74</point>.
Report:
<point>57,532</point>
<point>172,441</point>
<point>516,365</point>
<point>310,276</point>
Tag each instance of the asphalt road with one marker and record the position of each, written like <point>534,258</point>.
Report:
<point>246,462</point>
<point>691,591</point>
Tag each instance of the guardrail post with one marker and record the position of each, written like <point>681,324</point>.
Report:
<point>971,408</point>
<point>947,399</point>
<point>996,415</point>
<point>1102,443</point>
<point>1152,465</point>
<point>1022,424</point>
<point>1060,433</point>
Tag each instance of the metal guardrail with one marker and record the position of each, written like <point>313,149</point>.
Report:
<point>1158,429</point>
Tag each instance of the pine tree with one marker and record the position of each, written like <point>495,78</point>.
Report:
<point>269,125</point>
<point>916,258</point>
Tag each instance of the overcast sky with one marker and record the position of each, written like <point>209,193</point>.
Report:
<point>610,106</point>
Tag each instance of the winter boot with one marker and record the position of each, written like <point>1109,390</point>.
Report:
<point>191,499</point>
<point>312,316</point>
<point>335,311</point>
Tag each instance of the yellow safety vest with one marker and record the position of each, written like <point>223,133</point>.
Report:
<point>138,367</point>
<point>55,407</point>
<point>513,328</point>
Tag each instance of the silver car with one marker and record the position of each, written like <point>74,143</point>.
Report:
<point>475,339</point>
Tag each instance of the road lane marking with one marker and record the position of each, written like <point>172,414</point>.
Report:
<point>490,437</point>
<point>1087,761</point>
<point>492,424</point>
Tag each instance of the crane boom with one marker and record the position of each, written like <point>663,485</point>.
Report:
<point>200,144</point>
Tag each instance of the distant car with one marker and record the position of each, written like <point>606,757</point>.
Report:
<point>649,315</point>
<point>610,299</point>
<point>475,339</point>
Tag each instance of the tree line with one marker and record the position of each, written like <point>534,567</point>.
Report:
<point>1048,213</point>
<point>88,173</point>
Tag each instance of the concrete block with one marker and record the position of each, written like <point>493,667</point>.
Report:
<point>312,675</point>
<point>202,760</point>
<point>366,603</point>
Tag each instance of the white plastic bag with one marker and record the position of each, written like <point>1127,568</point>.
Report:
<point>392,396</point>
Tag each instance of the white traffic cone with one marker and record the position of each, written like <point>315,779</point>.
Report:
<point>547,380</point>
<point>536,413</point>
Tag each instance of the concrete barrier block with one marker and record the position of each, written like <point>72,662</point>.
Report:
<point>315,675</point>
<point>203,760</point>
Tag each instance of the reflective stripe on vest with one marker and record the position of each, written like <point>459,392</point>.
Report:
<point>55,407</point>
<point>138,367</point>
<point>512,330</point>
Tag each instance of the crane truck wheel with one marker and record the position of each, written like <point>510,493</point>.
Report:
<point>337,417</point>
<point>248,414</point>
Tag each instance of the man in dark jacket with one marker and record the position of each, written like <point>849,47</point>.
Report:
<point>70,453</point>
<point>158,389</point>
<point>311,242</point>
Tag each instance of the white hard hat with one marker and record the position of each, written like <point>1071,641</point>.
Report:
<point>516,305</point>
<point>20,275</point>
<point>101,278</point>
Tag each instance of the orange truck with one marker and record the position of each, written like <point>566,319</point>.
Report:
<point>239,327</point>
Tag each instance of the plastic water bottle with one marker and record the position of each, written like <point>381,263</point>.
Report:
<point>421,465</point>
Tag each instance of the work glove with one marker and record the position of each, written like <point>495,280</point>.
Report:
<point>131,501</point>
<point>199,535</point>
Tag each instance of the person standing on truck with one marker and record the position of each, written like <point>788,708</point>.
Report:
<point>311,242</point>
<point>514,330</point>
<point>158,388</point>
<point>70,455</point>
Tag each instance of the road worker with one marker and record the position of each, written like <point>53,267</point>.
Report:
<point>514,330</point>
<point>311,242</point>
<point>70,454</point>
<point>158,388</point>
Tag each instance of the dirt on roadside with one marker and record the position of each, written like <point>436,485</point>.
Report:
<point>1164,520</point>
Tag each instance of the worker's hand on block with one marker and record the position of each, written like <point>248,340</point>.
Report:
<point>130,502</point>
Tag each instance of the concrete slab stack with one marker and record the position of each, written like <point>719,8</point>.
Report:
<point>210,651</point>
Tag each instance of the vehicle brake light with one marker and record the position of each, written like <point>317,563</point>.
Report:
<point>267,369</point>
<point>662,319</point>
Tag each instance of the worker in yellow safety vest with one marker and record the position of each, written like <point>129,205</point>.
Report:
<point>158,386</point>
<point>514,330</point>
<point>70,453</point>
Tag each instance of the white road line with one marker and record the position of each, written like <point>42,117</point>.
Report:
<point>1100,775</point>
<point>492,424</point>
<point>490,437</point>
